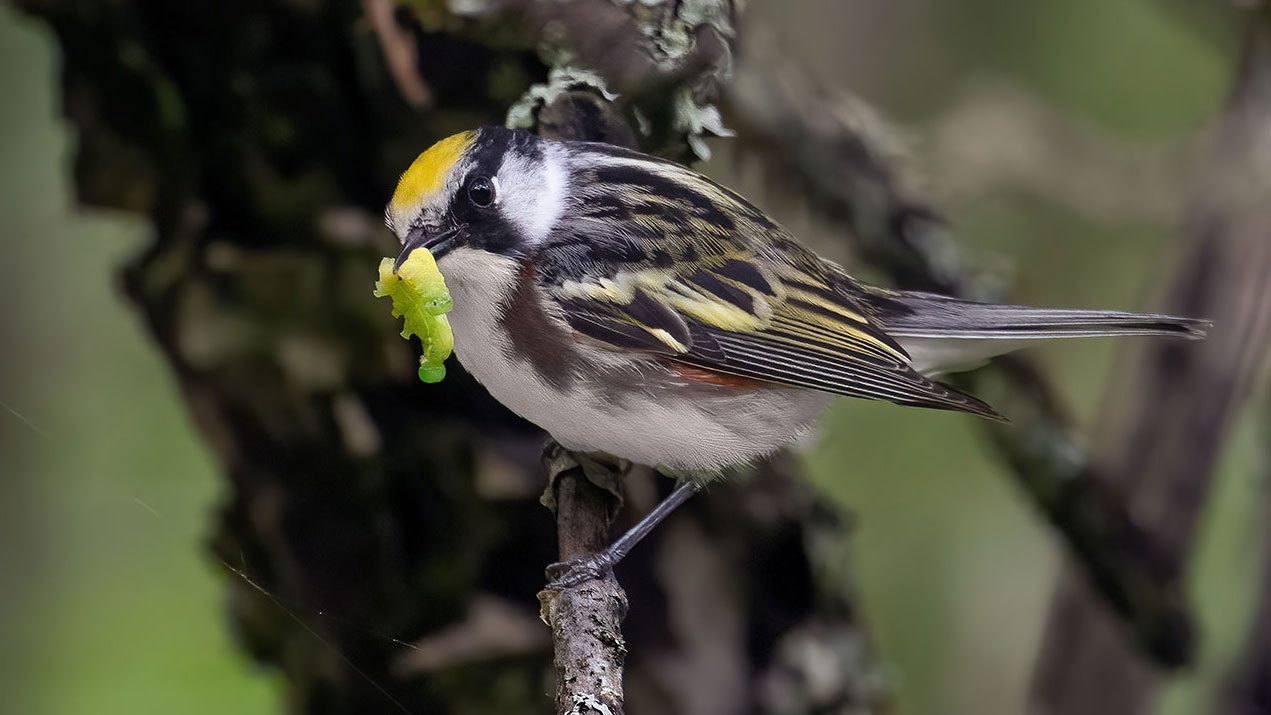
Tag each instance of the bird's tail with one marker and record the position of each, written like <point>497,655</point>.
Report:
<point>945,334</point>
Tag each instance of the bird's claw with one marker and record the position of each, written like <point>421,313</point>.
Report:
<point>567,574</point>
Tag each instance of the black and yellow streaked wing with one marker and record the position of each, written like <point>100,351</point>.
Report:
<point>816,341</point>
<point>750,317</point>
<point>657,258</point>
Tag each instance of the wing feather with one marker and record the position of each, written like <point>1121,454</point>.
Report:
<point>640,323</point>
<point>736,296</point>
<point>791,364</point>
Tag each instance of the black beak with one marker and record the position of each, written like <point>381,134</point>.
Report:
<point>438,243</point>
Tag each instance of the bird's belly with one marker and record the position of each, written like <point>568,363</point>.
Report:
<point>679,427</point>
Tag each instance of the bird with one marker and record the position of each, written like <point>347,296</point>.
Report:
<point>633,307</point>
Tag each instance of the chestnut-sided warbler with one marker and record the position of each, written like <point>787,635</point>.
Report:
<point>631,306</point>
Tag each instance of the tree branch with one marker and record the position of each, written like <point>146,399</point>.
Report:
<point>586,620</point>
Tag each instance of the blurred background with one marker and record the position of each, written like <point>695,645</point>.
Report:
<point>1058,139</point>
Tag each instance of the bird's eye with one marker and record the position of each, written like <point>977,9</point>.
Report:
<point>481,191</point>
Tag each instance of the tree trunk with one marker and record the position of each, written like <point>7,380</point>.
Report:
<point>382,539</point>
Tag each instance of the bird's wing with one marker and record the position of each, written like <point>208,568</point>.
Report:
<point>676,266</point>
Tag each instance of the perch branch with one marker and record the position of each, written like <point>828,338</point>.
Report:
<point>586,620</point>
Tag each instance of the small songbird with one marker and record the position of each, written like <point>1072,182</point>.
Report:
<point>631,306</point>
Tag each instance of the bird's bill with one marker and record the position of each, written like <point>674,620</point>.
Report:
<point>436,242</point>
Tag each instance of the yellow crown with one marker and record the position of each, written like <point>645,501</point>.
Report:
<point>427,173</point>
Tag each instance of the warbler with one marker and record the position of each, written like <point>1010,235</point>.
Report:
<point>629,305</point>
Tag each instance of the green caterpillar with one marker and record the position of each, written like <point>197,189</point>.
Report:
<point>419,295</point>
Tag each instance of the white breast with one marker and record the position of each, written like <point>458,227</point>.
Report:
<point>655,422</point>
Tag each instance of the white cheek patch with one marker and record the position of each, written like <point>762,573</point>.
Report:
<point>532,194</point>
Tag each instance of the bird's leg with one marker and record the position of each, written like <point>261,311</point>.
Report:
<point>565,574</point>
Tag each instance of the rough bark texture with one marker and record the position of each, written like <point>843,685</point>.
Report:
<point>586,620</point>
<point>589,649</point>
<point>261,138</point>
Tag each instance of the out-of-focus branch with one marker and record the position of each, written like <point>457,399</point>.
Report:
<point>841,155</point>
<point>1174,414</point>
<point>662,63</point>
<point>1248,688</point>
<point>843,158</point>
<point>401,53</point>
<point>997,138</point>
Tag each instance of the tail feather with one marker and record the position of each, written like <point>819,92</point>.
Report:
<point>945,335</point>
<point>925,315</point>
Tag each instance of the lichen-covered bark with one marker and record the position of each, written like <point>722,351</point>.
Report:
<point>363,509</point>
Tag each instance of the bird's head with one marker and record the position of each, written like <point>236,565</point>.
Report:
<point>491,189</point>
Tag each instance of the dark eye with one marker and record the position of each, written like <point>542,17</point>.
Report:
<point>481,191</point>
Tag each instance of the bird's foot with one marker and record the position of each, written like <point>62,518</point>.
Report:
<point>567,574</point>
